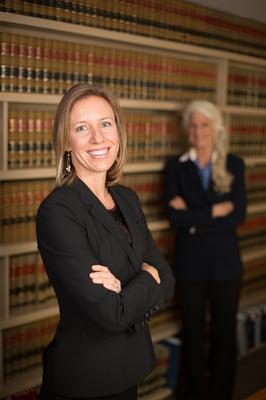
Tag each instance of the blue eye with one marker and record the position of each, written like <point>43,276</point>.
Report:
<point>81,128</point>
<point>106,124</point>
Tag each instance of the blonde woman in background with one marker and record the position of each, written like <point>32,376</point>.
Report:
<point>206,201</point>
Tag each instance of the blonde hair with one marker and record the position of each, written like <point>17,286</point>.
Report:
<point>61,128</point>
<point>221,176</point>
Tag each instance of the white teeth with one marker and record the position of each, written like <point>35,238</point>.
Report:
<point>100,152</point>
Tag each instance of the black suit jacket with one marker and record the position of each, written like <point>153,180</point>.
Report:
<point>207,247</point>
<point>102,344</point>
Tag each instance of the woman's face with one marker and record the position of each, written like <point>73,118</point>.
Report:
<point>93,136</point>
<point>200,132</point>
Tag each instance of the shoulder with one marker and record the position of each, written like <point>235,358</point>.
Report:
<point>176,162</point>
<point>58,199</point>
<point>235,163</point>
<point>58,194</point>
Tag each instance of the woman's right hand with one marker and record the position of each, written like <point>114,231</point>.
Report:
<point>153,271</point>
<point>102,275</point>
<point>222,209</point>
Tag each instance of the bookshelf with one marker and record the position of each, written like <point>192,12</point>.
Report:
<point>156,95</point>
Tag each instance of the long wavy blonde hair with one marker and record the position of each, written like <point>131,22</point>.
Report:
<point>220,175</point>
<point>61,128</point>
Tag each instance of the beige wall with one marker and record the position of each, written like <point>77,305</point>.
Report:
<point>254,9</point>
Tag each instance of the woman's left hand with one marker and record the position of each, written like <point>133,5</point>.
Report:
<point>178,203</point>
<point>103,276</point>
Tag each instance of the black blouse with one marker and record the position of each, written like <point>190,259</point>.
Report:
<point>120,222</point>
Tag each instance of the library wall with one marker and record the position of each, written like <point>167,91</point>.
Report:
<point>155,57</point>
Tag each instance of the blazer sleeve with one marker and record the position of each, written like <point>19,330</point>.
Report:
<point>238,197</point>
<point>199,217</point>
<point>68,255</point>
<point>153,256</point>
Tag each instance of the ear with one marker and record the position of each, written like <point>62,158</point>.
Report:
<point>67,147</point>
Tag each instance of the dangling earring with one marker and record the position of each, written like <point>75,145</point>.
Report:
<point>68,162</point>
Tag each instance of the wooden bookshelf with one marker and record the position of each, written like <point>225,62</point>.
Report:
<point>221,60</point>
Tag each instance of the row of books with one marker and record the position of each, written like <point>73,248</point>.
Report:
<point>23,345</point>
<point>30,139</point>
<point>253,241</point>
<point>20,200</point>
<point>150,137</point>
<point>153,136</point>
<point>256,183</point>
<point>246,86</point>
<point>29,287</point>
<point>255,290</point>
<point>19,203</point>
<point>255,270</point>
<point>175,20</point>
<point>248,135</point>
<point>41,65</point>
<point>251,328</point>
<point>256,177</point>
<point>254,224</point>
<point>157,378</point>
<point>166,370</point>
<point>148,186</point>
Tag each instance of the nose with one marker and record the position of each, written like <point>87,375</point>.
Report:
<point>96,135</point>
<point>197,130</point>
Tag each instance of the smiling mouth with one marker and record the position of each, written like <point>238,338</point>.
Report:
<point>101,153</point>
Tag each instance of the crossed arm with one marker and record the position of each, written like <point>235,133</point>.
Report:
<point>103,276</point>
<point>218,210</point>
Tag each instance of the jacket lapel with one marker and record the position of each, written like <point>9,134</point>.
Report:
<point>97,209</point>
<point>126,211</point>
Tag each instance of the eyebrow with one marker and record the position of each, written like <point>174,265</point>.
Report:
<point>101,119</point>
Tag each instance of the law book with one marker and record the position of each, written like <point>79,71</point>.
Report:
<point>178,21</point>
<point>173,344</point>
<point>23,345</point>
<point>5,62</point>
<point>19,206</point>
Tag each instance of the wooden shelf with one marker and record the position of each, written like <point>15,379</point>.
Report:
<point>256,208</point>
<point>18,248</point>
<point>155,166</point>
<point>21,381</point>
<point>29,173</point>
<point>165,330</point>
<point>244,110</point>
<point>253,254</point>
<point>41,173</point>
<point>75,30</point>
<point>251,161</point>
<point>33,98</point>
<point>29,317</point>
<point>159,225</point>
<point>251,299</point>
<point>57,30</point>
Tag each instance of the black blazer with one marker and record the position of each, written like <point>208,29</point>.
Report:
<point>206,248</point>
<point>102,344</point>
